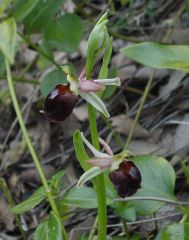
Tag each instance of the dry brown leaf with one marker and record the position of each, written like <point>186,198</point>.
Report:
<point>4,236</point>
<point>182,104</point>
<point>70,125</point>
<point>119,60</point>
<point>31,175</point>
<point>27,55</point>
<point>5,215</point>
<point>180,36</point>
<point>127,72</point>
<point>79,231</point>
<point>174,80</point>
<point>71,173</point>
<point>118,44</point>
<point>82,48</point>
<point>142,147</point>
<point>81,113</point>
<point>14,154</point>
<point>145,72</point>
<point>181,138</point>
<point>123,123</point>
<point>25,91</point>
<point>167,210</point>
<point>69,6</point>
<point>185,84</point>
<point>40,135</point>
<point>13,180</point>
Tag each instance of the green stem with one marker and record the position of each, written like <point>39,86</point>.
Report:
<point>30,146</point>
<point>18,79</point>
<point>29,81</point>
<point>93,127</point>
<point>143,99</point>
<point>99,180</point>
<point>184,218</point>
<point>99,183</point>
<point>93,230</point>
<point>126,229</point>
<point>126,38</point>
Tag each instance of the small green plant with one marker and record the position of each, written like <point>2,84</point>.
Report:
<point>115,177</point>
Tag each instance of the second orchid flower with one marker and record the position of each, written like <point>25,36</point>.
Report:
<point>60,102</point>
<point>123,173</point>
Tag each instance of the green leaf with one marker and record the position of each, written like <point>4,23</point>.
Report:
<point>55,179</point>
<point>110,90</point>
<point>118,238</point>
<point>2,65</point>
<point>8,38</point>
<point>174,232</point>
<point>49,82</point>
<point>4,4</point>
<point>46,48</point>
<point>159,55</point>
<point>96,102</point>
<point>65,33</point>
<point>82,197</point>
<point>125,210</point>
<point>134,237</point>
<point>37,197</point>
<point>158,180</point>
<point>41,15</point>
<point>22,8</point>
<point>106,58</point>
<point>185,169</point>
<point>49,230</point>
<point>89,174</point>
<point>43,62</point>
<point>94,151</point>
<point>80,152</point>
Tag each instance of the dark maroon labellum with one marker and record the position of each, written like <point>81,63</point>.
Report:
<point>59,103</point>
<point>126,178</point>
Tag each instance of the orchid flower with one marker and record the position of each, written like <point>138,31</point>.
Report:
<point>123,173</point>
<point>60,102</point>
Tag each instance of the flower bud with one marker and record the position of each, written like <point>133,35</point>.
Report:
<point>126,179</point>
<point>59,103</point>
<point>96,43</point>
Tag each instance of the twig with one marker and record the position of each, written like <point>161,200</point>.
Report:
<point>93,230</point>
<point>39,50</point>
<point>152,199</point>
<point>130,223</point>
<point>126,38</point>
<point>146,92</point>
<point>147,220</point>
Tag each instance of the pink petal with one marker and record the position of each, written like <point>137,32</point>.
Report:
<point>106,146</point>
<point>82,75</point>
<point>90,86</point>
<point>102,163</point>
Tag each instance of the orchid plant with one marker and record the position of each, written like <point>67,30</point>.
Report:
<point>121,173</point>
